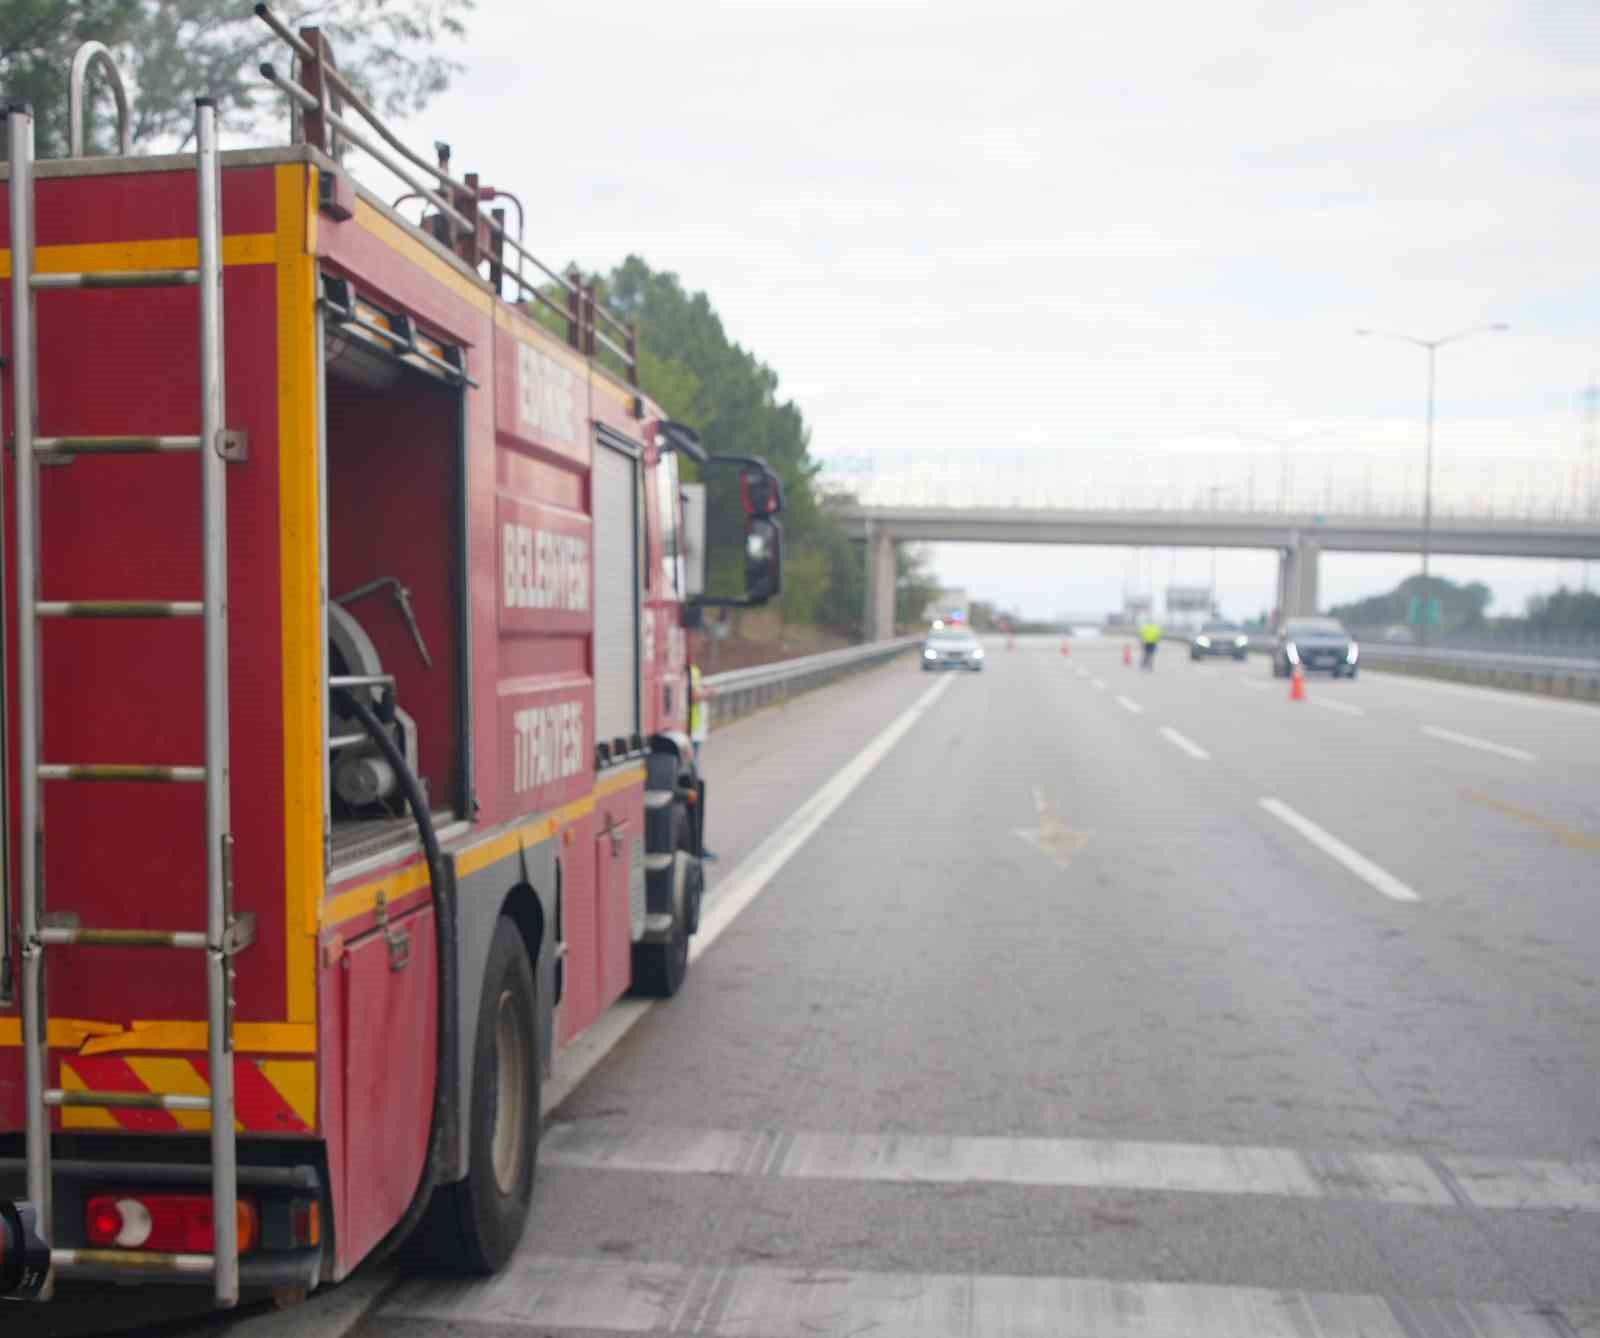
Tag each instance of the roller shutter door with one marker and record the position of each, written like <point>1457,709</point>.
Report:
<point>616,585</point>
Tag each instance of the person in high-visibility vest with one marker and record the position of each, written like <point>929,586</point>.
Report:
<point>1150,636</point>
<point>697,711</point>
<point>698,721</point>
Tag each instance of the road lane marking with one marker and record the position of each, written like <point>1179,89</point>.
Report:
<point>1482,745</point>
<point>1129,705</point>
<point>1052,837</point>
<point>1098,683</point>
<point>1066,1163</point>
<point>1573,840</point>
<point>1505,696</point>
<point>1363,868</point>
<point>1345,707</point>
<point>540,1294</point>
<point>1189,746</point>
<point>1503,1182</point>
<point>733,894</point>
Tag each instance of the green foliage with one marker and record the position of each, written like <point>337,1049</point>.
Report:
<point>915,585</point>
<point>1564,611</point>
<point>701,377</point>
<point>805,582</point>
<point>1461,607</point>
<point>172,51</point>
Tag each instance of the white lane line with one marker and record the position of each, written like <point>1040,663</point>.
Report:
<point>1343,707</point>
<point>1331,845</point>
<point>1040,803</point>
<point>1494,696</point>
<point>1482,745</point>
<point>1076,1163</point>
<point>1098,683</point>
<point>1082,672</point>
<point>1130,706</point>
<point>1189,746</point>
<point>1503,1182</point>
<point>725,902</point>
<point>540,1293</point>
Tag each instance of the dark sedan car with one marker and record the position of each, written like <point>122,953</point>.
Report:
<point>1315,644</point>
<point>952,648</point>
<point>1219,639</point>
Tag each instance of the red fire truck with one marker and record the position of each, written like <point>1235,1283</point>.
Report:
<point>346,689</point>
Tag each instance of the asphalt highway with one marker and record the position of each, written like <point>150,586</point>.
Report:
<point>1099,1002</point>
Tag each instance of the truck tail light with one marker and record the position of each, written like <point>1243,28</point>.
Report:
<point>169,1223</point>
<point>305,1220</point>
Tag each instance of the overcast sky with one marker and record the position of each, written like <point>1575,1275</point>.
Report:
<point>1088,226</point>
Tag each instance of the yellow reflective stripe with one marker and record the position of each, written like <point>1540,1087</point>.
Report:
<point>299,566</point>
<point>83,1117</point>
<point>360,900</point>
<point>296,1083</point>
<point>178,1077</point>
<point>243,248</point>
<point>102,1038</point>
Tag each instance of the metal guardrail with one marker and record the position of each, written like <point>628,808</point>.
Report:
<point>1549,675</point>
<point>741,691</point>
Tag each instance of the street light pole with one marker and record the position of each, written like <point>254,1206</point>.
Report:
<point>1431,347</point>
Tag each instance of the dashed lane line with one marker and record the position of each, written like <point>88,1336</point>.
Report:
<point>1482,745</point>
<point>541,1294</point>
<point>1130,706</point>
<point>1375,877</point>
<point>732,895</point>
<point>1344,708</point>
<point>1098,683</point>
<point>1184,744</point>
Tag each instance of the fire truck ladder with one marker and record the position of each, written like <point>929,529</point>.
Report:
<point>224,936</point>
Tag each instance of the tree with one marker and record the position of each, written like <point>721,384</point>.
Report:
<point>1461,607</point>
<point>172,51</point>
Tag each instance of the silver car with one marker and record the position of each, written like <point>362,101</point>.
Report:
<point>952,648</point>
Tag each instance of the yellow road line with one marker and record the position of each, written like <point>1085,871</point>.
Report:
<point>1573,840</point>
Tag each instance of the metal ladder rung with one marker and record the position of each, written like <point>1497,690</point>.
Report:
<point>67,1262</point>
<point>117,771</point>
<point>56,1096</point>
<point>120,608</point>
<point>116,445</point>
<point>122,938</point>
<point>119,278</point>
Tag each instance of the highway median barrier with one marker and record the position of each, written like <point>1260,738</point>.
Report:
<point>741,691</point>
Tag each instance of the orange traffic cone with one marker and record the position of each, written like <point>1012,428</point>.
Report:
<point>1127,654</point>
<point>1297,685</point>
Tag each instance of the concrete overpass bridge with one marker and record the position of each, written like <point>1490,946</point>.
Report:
<point>1335,503</point>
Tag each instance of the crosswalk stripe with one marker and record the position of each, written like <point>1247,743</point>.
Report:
<point>1197,1168</point>
<point>541,1294</point>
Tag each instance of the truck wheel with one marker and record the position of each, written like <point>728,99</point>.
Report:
<point>473,1226</point>
<point>659,968</point>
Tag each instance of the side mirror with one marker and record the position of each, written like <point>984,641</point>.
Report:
<point>763,560</point>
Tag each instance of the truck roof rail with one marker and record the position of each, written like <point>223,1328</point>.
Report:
<point>319,99</point>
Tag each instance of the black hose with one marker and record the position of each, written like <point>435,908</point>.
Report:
<point>444,937</point>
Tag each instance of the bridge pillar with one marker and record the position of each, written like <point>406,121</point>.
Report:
<point>1297,578</point>
<point>878,622</point>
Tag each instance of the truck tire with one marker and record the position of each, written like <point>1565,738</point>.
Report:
<point>659,968</point>
<point>472,1227</point>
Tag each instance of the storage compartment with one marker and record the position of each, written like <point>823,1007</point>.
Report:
<point>395,586</point>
